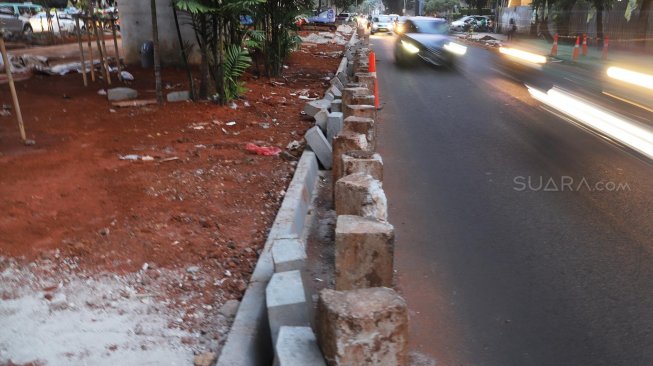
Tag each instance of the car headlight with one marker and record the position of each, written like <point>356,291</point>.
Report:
<point>409,47</point>
<point>455,48</point>
<point>375,25</point>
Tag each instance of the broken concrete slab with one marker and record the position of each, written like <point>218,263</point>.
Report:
<point>288,254</point>
<point>363,327</point>
<point>367,162</point>
<point>360,194</point>
<point>286,302</point>
<point>319,144</point>
<point>178,96</point>
<point>117,94</point>
<point>297,346</point>
<point>364,255</point>
<point>314,106</point>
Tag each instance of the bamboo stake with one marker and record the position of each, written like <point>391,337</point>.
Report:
<point>115,45</point>
<point>103,61</point>
<point>12,87</point>
<point>104,45</point>
<point>78,31</point>
<point>90,50</point>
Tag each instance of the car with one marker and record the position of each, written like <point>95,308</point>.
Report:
<point>14,18</point>
<point>427,39</point>
<point>382,23</point>
<point>399,25</point>
<point>465,23</point>
<point>344,17</point>
<point>39,22</point>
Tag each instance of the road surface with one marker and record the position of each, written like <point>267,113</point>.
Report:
<point>498,268</point>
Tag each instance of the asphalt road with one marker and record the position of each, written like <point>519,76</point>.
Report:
<point>497,272</point>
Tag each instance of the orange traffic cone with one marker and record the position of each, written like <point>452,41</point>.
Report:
<point>574,55</point>
<point>372,70</point>
<point>604,54</point>
<point>554,49</point>
<point>584,44</point>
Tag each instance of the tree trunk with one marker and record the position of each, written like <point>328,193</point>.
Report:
<point>184,56</point>
<point>599,24</point>
<point>642,21</point>
<point>157,56</point>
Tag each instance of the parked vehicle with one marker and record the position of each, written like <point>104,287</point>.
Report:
<point>344,17</point>
<point>15,18</point>
<point>427,39</point>
<point>473,22</point>
<point>382,23</point>
<point>39,22</point>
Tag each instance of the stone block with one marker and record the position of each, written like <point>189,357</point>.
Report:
<point>344,74</point>
<point>363,125</point>
<point>367,162</point>
<point>320,146</point>
<point>363,327</point>
<point>329,96</point>
<point>360,194</point>
<point>337,83</point>
<point>321,118</point>
<point>337,93</point>
<point>288,255</point>
<point>366,79</point>
<point>346,141</point>
<point>362,110</point>
<point>314,106</point>
<point>297,346</point>
<point>349,93</point>
<point>117,94</point>
<point>286,302</point>
<point>178,96</point>
<point>336,105</point>
<point>334,125</point>
<point>364,254</point>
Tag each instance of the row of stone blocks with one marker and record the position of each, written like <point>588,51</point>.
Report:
<point>363,321</point>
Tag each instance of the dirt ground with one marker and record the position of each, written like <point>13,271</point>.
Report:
<point>178,230</point>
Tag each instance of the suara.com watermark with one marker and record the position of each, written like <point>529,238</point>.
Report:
<point>566,183</point>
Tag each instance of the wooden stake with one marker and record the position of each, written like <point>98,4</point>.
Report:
<point>90,50</point>
<point>12,87</point>
<point>115,45</point>
<point>103,60</point>
<point>78,31</point>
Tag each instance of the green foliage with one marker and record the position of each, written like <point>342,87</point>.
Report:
<point>236,61</point>
<point>438,6</point>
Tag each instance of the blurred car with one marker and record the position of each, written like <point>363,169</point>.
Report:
<point>399,25</point>
<point>382,23</point>
<point>344,17</point>
<point>471,21</point>
<point>15,17</point>
<point>40,23</point>
<point>427,39</point>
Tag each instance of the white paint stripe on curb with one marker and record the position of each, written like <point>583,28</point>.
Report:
<point>249,341</point>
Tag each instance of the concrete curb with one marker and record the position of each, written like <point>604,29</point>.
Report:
<point>249,341</point>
